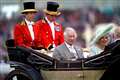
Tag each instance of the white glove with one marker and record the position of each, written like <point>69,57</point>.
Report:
<point>52,49</point>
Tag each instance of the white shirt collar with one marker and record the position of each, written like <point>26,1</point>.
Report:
<point>29,22</point>
<point>48,20</point>
<point>68,46</point>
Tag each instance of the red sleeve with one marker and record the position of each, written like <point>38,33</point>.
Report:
<point>18,36</point>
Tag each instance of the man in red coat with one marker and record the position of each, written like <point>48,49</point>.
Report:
<point>25,34</point>
<point>51,31</point>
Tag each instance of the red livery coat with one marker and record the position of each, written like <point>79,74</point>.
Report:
<point>23,38</point>
<point>46,33</point>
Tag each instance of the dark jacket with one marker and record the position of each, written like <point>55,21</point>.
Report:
<point>112,72</point>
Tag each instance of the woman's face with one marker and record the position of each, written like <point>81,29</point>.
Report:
<point>104,40</point>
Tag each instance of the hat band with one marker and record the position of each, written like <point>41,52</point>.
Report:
<point>29,10</point>
<point>52,12</point>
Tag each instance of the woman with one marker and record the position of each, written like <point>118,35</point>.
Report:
<point>100,39</point>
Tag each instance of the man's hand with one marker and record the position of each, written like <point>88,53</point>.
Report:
<point>52,49</point>
<point>42,51</point>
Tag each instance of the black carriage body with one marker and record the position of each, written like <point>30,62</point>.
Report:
<point>49,68</point>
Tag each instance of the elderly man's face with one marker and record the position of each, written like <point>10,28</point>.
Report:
<point>70,38</point>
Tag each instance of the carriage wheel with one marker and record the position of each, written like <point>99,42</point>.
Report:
<point>19,74</point>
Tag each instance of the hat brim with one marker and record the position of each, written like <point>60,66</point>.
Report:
<point>52,12</point>
<point>28,10</point>
<point>101,34</point>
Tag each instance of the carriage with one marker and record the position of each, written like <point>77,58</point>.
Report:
<point>30,64</point>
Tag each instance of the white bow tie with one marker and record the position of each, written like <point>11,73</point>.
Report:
<point>31,23</point>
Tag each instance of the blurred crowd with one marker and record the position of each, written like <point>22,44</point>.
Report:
<point>95,28</point>
<point>83,20</point>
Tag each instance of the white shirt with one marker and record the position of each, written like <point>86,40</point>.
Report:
<point>72,49</point>
<point>30,27</point>
<point>52,26</point>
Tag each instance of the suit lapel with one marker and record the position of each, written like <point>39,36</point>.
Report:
<point>78,52</point>
<point>67,54</point>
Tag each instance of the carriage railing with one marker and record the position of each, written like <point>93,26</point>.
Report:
<point>37,58</point>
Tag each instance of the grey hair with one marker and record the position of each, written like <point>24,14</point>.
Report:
<point>69,29</point>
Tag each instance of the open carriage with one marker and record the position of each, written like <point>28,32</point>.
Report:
<point>29,64</point>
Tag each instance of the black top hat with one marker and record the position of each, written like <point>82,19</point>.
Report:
<point>29,7</point>
<point>52,8</point>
